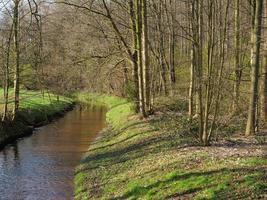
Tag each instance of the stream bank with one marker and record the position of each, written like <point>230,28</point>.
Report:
<point>36,110</point>
<point>145,159</point>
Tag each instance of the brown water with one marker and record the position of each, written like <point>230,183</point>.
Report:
<point>41,167</point>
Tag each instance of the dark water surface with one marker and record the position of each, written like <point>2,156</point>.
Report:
<point>41,167</point>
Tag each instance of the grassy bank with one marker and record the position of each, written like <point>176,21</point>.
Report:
<point>35,110</point>
<point>145,159</point>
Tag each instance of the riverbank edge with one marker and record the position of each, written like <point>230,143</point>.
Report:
<point>22,128</point>
<point>117,117</point>
<point>114,104</point>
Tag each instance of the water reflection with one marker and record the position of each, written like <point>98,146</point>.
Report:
<point>41,167</point>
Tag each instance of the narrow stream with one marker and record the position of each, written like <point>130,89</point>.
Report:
<point>41,167</point>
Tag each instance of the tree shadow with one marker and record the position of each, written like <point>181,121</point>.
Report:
<point>140,191</point>
<point>110,133</point>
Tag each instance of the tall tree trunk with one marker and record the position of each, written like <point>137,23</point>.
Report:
<point>238,71</point>
<point>135,54</point>
<point>6,87</point>
<point>172,49</point>
<point>193,62</point>
<point>255,65</point>
<point>264,78</point>
<point>161,49</point>
<point>139,31</point>
<point>217,89</point>
<point>145,62</point>
<point>199,67</point>
<point>208,96</point>
<point>192,83</point>
<point>17,59</point>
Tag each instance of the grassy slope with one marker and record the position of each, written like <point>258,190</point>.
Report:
<point>37,105</point>
<point>137,160</point>
<point>34,109</point>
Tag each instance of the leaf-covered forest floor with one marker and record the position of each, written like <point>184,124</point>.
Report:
<point>160,158</point>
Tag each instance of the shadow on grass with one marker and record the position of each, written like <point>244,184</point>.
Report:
<point>190,183</point>
<point>112,133</point>
<point>117,153</point>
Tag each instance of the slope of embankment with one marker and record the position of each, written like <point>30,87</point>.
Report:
<point>146,159</point>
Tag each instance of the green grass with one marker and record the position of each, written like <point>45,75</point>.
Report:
<point>119,109</point>
<point>137,159</point>
<point>35,108</point>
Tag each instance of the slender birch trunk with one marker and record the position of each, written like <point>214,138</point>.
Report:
<point>145,57</point>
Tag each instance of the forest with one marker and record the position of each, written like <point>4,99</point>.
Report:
<point>184,83</point>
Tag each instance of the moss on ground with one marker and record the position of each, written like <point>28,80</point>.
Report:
<point>35,109</point>
<point>141,159</point>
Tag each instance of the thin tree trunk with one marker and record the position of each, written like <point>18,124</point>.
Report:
<point>161,49</point>
<point>264,79</point>
<point>208,95</point>
<point>135,54</point>
<point>17,59</point>
<point>6,87</point>
<point>238,71</point>
<point>218,94</point>
<point>199,67</point>
<point>172,49</point>
<point>193,62</point>
<point>255,65</point>
<point>145,62</point>
<point>142,105</point>
<point>192,84</point>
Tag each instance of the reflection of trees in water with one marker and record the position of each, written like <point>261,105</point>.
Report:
<point>13,151</point>
<point>98,112</point>
<point>4,154</point>
<point>16,154</point>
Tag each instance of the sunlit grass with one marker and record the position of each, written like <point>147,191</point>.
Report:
<point>119,109</point>
<point>36,105</point>
<point>136,159</point>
